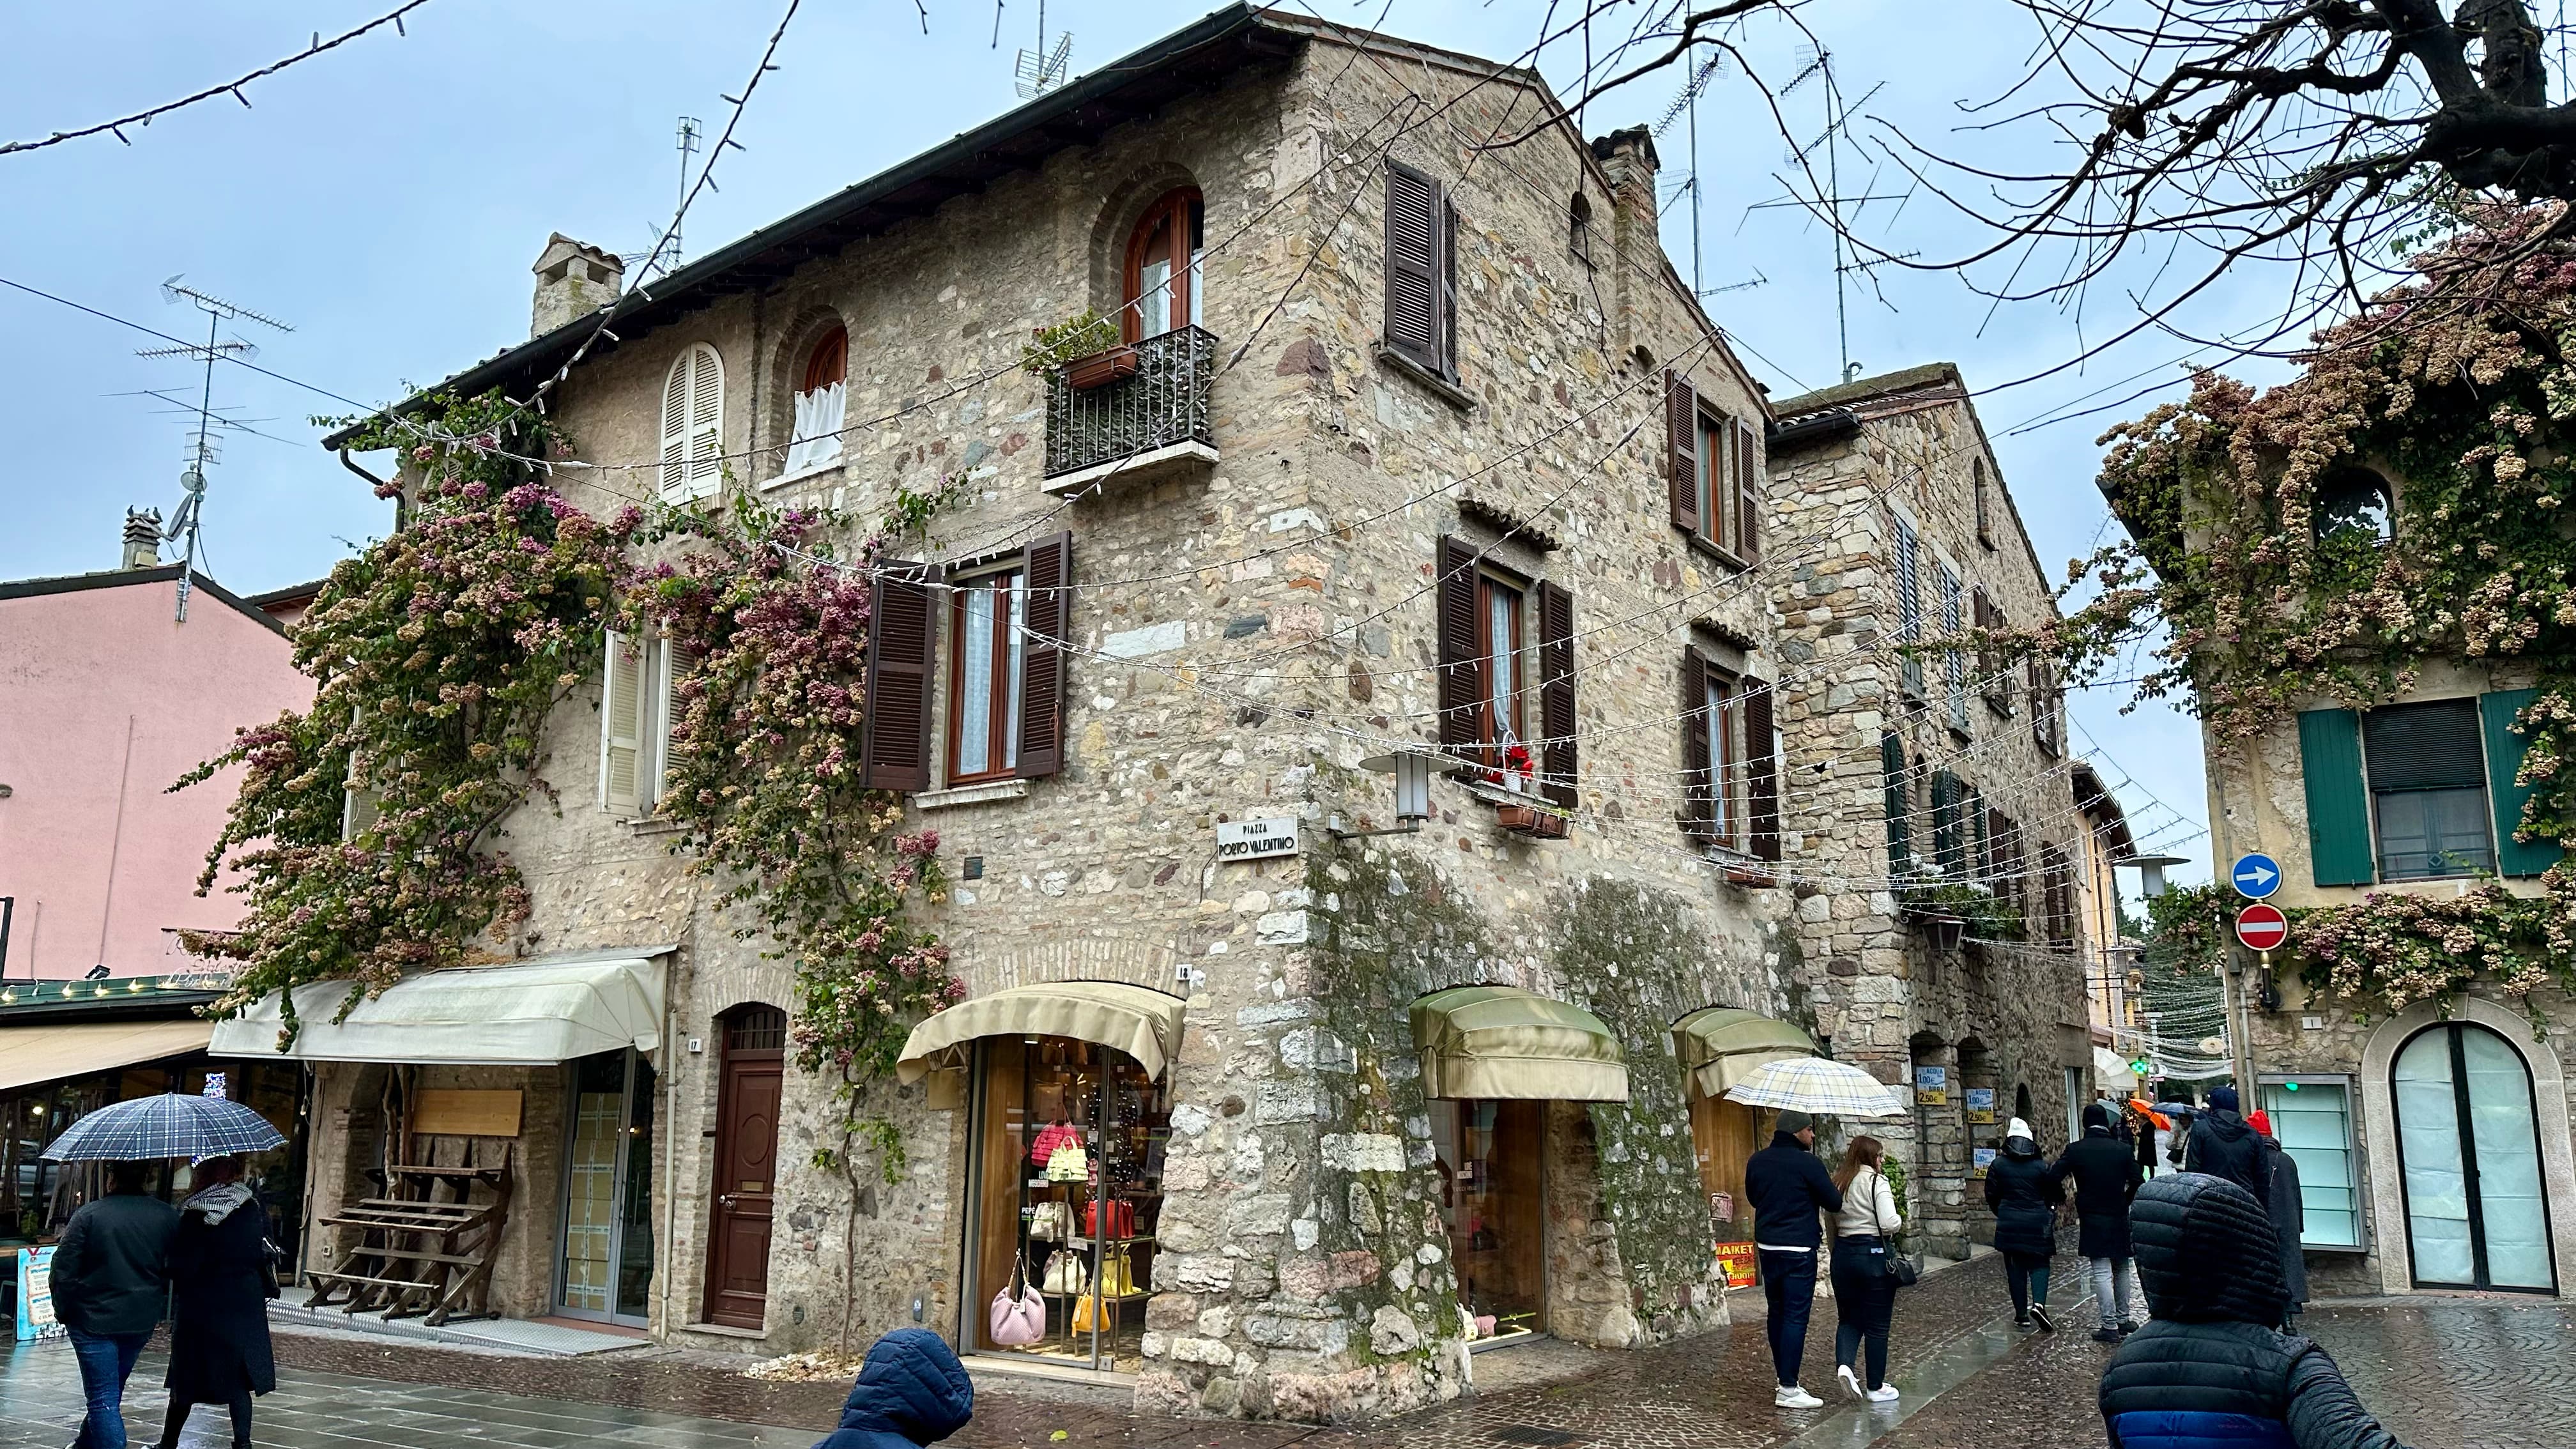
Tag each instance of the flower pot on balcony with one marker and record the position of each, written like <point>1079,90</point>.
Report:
<point>1536,823</point>
<point>1100,369</point>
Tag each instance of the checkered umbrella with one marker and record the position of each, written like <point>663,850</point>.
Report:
<point>172,1125</point>
<point>1813,1084</point>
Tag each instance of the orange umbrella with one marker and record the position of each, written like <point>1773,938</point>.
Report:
<point>2140,1106</point>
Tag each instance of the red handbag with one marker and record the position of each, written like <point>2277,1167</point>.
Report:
<point>1122,1218</point>
<point>1050,1138</point>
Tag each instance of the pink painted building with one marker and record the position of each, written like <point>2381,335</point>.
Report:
<point>105,700</point>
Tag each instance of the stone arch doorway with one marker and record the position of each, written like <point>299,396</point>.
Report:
<point>753,1041</point>
<point>2473,1182</point>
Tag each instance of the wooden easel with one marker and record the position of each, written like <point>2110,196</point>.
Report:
<point>426,1246</point>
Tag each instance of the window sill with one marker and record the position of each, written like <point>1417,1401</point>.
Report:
<point>651,825</point>
<point>982,792</point>
<point>1525,813</point>
<point>1742,869</point>
<point>1702,543</point>
<point>1440,387</point>
<point>810,470</point>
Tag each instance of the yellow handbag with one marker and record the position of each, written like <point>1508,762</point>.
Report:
<point>1088,1313</point>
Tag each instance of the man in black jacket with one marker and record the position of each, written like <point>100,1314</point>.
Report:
<point>111,1283</point>
<point>2223,1144</point>
<point>2106,1176</point>
<point>1788,1186</point>
<point>2210,1372</point>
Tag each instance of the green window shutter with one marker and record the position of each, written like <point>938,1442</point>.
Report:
<point>2504,760</point>
<point>2338,803</point>
<point>1891,765</point>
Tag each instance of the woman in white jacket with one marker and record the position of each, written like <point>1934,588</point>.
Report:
<point>1864,1287</point>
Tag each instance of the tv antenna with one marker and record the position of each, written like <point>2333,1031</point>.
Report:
<point>206,448</point>
<point>1687,104</point>
<point>1041,70</point>
<point>691,128</point>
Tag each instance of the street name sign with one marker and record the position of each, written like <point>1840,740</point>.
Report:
<point>2255,876</point>
<point>2262,927</point>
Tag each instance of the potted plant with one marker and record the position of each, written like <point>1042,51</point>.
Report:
<point>1086,348</point>
<point>1100,369</point>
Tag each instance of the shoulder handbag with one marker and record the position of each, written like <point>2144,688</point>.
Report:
<point>270,1255</point>
<point>1019,1314</point>
<point>1069,1163</point>
<point>1901,1270</point>
<point>1047,1220</point>
<point>1064,1272</point>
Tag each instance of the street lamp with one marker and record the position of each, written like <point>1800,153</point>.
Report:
<point>2151,871</point>
<point>1412,772</point>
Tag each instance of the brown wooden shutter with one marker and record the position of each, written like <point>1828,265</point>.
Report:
<point>1748,499</point>
<point>903,630</point>
<point>1458,653</point>
<point>1557,758</point>
<point>1762,771</point>
<point>1698,812</point>
<point>1042,691</point>
<point>1413,278</point>
<point>1681,432</point>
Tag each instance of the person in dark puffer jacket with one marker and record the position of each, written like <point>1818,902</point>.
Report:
<point>2209,1371</point>
<point>911,1392</point>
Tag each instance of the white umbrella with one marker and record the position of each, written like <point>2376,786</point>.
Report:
<point>1814,1084</point>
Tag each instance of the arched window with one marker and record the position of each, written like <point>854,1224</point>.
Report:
<point>1579,229</point>
<point>693,425</point>
<point>2351,501</point>
<point>821,397</point>
<point>1163,267</point>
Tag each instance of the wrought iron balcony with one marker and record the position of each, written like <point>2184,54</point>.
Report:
<point>1145,423</point>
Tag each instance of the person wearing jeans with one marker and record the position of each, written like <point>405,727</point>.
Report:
<point>1864,1284</point>
<point>2106,1177</point>
<point>2024,1194</point>
<point>1787,1187</point>
<point>111,1281</point>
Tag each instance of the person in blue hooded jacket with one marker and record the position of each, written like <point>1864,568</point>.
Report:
<point>2210,1371</point>
<point>911,1391</point>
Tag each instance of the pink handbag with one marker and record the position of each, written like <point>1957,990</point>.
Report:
<point>1019,1315</point>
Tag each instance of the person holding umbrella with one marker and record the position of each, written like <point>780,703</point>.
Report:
<point>111,1277</point>
<point>219,1349</point>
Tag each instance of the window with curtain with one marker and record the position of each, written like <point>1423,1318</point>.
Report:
<point>988,618</point>
<point>1726,755</point>
<point>2427,773</point>
<point>1163,272</point>
<point>1500,666</point>
<point>822,394</point>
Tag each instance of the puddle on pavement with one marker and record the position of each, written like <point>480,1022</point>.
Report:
<point>1853,1426</point>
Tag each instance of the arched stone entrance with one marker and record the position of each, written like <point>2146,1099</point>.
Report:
<point>2392,1240</point>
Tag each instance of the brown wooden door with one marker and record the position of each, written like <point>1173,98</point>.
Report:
<point>746,1164</point>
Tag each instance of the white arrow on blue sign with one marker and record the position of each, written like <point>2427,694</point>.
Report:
<point>2255,876</point>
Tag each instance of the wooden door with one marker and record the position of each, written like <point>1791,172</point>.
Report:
<point>746,1165</point>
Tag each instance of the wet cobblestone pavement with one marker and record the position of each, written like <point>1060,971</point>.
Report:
<point>2443,1373</point>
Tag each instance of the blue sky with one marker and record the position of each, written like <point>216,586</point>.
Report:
<point>387,199</point>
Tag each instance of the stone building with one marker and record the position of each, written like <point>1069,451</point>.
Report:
<point>1936,862</point>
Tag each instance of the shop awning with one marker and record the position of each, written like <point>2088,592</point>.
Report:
<point>33,1054</point>
<point>2111,1071</point>
<point>1143,1023</point>
<point>1720,1046</point>
<point>1501,1041</point>
<point>533,1013</point>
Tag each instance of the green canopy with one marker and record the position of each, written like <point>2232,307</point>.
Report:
<point>1144,1024</point>
<point>1501,1041</point>
<point>1720,1046</point>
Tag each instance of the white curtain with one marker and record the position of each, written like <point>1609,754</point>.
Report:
<point>817,439</point>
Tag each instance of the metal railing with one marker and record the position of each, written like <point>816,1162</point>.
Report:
<point>1164,403</point>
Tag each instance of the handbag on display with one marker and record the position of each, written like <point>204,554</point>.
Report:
<point>1019,1315</point>
<point>1047,1221</point>
<point>1064,1273</point>
<point>1121,1215</point>
<point>1068,1162</point>
<point>1088,1314</point>
<point>1049,1138</point>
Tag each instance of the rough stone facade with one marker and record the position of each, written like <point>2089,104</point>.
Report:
<point>1999,1014</point>
<point>1243,634</point>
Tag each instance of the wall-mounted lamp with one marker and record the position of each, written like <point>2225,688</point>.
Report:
<point>1412,774</point>
<point>2151,871</point>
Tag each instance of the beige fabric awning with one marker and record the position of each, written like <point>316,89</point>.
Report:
<point>1143,1023</point>
<point>1501,1041</point>
<point>1720,1046</point>
<point>529,1013</point>
<point>33,1054</point>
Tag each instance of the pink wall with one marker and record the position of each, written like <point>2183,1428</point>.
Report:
<point>82,674</point>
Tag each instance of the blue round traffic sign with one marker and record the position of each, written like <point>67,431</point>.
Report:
<point>2255,875</point>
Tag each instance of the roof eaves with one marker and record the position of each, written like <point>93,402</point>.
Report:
<point>1057,119</point>
<point>128,578</point>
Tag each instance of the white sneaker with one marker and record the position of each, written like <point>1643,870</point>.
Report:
<point>1883,1394</point>
<point>1790,1396</point>
<point>1851,1382</point>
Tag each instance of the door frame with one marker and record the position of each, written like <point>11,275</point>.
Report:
<point>2378,1122</point>
<point>716,1165</point>
<point>2453,1033</point>
<point>618,1187</point>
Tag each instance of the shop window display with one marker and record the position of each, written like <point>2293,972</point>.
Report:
<point>1070,1166</point>
<point>1490,1200</point>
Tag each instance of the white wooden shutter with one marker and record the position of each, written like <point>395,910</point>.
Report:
<point>358,805</point>
<point>671,664</point>
<point>621,726</point>
<point>693,425</point>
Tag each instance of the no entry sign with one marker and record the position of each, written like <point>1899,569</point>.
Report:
<point>2262,927</point>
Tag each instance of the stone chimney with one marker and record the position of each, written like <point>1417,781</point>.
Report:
<point>142,538</point>
<point>1636,246</point>
<point>574,279</point>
